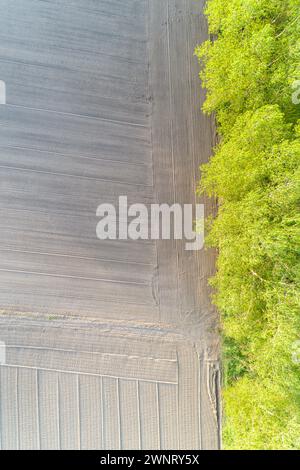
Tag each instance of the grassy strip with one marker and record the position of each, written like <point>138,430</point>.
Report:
<point>250,73</point>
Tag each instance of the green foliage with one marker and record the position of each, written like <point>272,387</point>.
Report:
<point>247,66</point>
<point>255,174</point>
<point>260,416</point>
<point>235,363</point>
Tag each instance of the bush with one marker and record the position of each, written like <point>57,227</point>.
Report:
<point>248,72</point>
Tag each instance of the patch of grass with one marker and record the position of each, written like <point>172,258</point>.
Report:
<point>249,72</point>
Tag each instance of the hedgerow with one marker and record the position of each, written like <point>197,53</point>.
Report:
<point>250,68</point>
